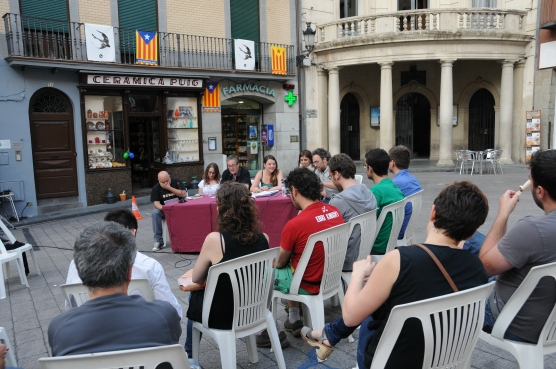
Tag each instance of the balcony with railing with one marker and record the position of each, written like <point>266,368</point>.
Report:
<point>425,22</point>
<point>48,39</point>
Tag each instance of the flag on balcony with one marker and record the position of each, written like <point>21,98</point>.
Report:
<point>244,51</point>
<point>278,55</point>
<point>146,44</point>
<point>211,98</point>
<point>100,43</point>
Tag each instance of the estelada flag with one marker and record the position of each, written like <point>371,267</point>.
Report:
<point>211,98</point>
<point>146,45</point>
<point>278,55</point>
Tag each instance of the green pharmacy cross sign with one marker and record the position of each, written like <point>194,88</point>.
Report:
<point>290,98</point>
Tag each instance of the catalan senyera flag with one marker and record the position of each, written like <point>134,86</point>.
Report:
<point>146,45</point>
<point>278,55</point>
<point>211,98</point>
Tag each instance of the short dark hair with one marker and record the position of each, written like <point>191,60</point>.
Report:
<point>543,171</point>
<point>322,153</point>
<point>103,254</point>
<point>342,164</point>
<point>123,217</point>
<point>306,182</point>
<point>461,208</point>
<point>378,159</point>
<point>401,156</point>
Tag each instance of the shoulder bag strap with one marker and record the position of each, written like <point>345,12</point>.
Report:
<point>439,265</point>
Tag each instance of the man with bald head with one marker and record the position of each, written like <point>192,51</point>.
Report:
<point>165,191</point>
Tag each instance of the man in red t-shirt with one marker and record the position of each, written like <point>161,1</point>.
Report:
<point>305,188</point>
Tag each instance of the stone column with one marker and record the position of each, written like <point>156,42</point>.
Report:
<point>334,110</point>
<point>322,112</point>
<point>518,137</point>
<point>506,110</point>
<point>386,106</point>
<point>446,114</point>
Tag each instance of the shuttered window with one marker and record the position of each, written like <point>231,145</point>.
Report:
<point>51,9</point>
<point>245,19</point>
<point>138,15</point>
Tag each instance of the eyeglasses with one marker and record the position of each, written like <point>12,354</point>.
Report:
<point>232,166</point>
<point>316,162</point>
<point>211,173</point>
<point>365,166</point>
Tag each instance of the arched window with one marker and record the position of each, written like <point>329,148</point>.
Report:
<point>49,103</point>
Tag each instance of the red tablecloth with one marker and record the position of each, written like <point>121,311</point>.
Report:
<point>190,223</point>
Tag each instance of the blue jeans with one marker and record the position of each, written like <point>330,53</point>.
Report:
<point>188,346</point>
<point>157,217</point>
<point>490,320</point>
<point>337,330</point>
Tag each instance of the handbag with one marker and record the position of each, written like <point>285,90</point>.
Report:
<point>186,282</point>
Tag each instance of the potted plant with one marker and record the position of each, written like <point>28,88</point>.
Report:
<point>123,196</point>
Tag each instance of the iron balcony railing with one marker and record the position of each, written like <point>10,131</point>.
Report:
<point>53,39</point>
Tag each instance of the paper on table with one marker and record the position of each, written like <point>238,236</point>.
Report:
<point>264,193</point>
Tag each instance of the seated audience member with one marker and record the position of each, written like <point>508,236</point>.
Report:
<point>354,199</point>
<point>511,255</point>
<point>306,160</point>
<point>409,184</point>
<point>304,187</point>
<point>167,189</point>
<point>110,320</point>
<point>320,161</point>
<point>405,275</point>
<point>3,353</point>
<point>385,191</point>
<point>211,178</point>
<point>239,234</point>
<point>143,267</point>
<point>235,173</point>
<point>270,178</point>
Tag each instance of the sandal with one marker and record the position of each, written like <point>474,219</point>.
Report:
<point>323,351</point>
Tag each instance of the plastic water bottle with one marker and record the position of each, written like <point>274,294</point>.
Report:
<point>284,190</point>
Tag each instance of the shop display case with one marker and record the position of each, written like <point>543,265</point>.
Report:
<point>183,130</point>
<point>240,137</point>
<point>104,132</point>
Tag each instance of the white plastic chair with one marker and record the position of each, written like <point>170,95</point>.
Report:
<point>359,178</point>
<point>76,294</point>
<point>416,201</point>
<point>165,233</point>
<point>334,241</point>
<point>397,209</point>
<point>28,248</point>
<point>252,279</point>
<point>11,361</point>
<point>528,355</point>
<point>451,325</point>
<point>5,258</point>
<point>147,358</point>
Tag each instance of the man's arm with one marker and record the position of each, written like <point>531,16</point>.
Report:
<point>283,258</point>
<point>157,205</point>
<point>245,177</point>
<point>493,261</point>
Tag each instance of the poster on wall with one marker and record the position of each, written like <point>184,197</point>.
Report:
<point>533,133</point>
<point>244,54</point>
<point>100,43</point>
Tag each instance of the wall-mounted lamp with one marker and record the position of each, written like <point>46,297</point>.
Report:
<point>309,36</point>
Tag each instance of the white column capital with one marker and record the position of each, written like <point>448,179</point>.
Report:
<point>520,64</point>
<point>385,64</point>
<point>321,71</point>
<point>447,62</point>
<point>507,63</point>
<point>333,70</point>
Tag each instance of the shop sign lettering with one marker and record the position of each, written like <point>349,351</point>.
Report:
<point>144,81</point>
<point>247,88</point>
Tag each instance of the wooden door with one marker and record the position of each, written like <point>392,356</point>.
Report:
<point>349,127</point>
<point>53,144</point>
<point>481,121</point>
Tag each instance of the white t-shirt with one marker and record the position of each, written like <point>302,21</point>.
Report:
<point>213,188</point>
<point>144,267</point>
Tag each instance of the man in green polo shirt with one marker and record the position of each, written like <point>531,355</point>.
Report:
<point>385,191</point>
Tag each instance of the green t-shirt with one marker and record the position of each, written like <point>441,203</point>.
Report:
<point>386,193</point>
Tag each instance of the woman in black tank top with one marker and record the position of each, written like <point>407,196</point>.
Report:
<point>239,235</point>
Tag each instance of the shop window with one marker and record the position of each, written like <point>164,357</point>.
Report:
<point>183,130</point>
<point>348,8</point>
<point>143,103</point>
<point>104,132</point>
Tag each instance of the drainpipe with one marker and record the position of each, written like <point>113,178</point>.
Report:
<point>300,81</point>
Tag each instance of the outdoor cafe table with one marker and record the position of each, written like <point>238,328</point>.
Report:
<point>189,223</point>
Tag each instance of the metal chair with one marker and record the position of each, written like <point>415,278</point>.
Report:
<point>145,358</point>
<point>76,294</point>
<point>334,241</point>
<point>11,361</point>
<point>416,201</point>
<point>252,279</point>
<point>397,209</point>
<point>466,157</point>
<point>528,355</point>
<point>451,325</point>
<point>493,157</point>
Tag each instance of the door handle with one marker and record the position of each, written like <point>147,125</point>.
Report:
<point>54,156</point>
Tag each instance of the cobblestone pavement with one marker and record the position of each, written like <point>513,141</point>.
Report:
<point>26,312</point>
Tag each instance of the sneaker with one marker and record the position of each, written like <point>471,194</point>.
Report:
<point>263,340</point>
<point>293,328</point>
<point>158,246</point>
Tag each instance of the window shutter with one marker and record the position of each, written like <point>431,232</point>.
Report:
<point>245,19</point>
<point>138,15</point>
<point>51,9</point>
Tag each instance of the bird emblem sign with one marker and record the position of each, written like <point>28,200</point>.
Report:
<point>244,51</point>
<point>100,43</point>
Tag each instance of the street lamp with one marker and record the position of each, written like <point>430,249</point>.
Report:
<point>309,36</point>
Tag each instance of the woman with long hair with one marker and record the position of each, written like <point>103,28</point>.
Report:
<point>270,178</point>
<point>306,160</point>
<point>211,178</point>
<point>239,234</point>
